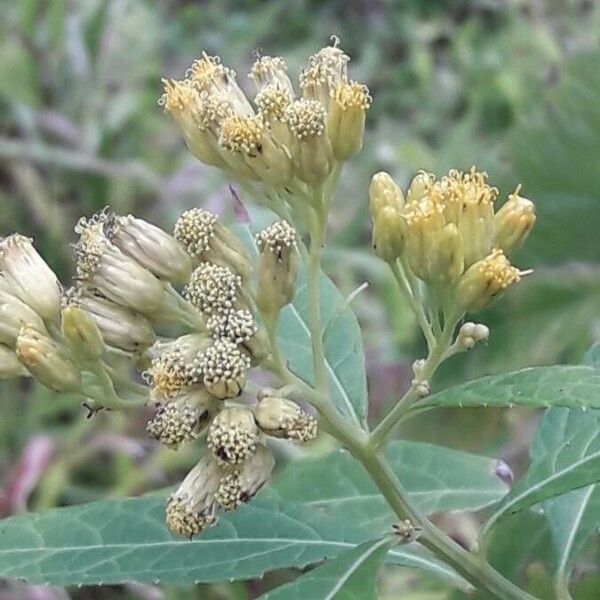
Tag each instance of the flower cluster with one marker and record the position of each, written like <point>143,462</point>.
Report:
<point>446,233</point>
<point>125,292</point>
<point>282,137</point>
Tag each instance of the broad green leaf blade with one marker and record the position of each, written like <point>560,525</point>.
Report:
<point>571,462</point>
<point>574,517</point>
<point>562,385</point>
<point>349,576</point>
<point>437,479</point>
<point>112,542</point>
<point>343,344</point>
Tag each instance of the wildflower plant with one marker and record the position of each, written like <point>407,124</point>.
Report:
<point>198,311</point>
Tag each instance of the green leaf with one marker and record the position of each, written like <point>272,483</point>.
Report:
<point>574,517</point>
<point>571,386</point>
<point>349,576</point>
<point>437,479</point>
<point>344,353</point>
<point>112,542</point>
<point>567,458</point>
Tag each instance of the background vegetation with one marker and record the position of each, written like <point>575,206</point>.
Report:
<point>512,87</point>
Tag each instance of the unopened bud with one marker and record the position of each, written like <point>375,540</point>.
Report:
<point>27,276</point>
<point>13,315</point>
<point>277,268</point>
<point>311,148</point>
<point>46,361</point>
<point>119,326</point>
<point>224,366</point>
<point>82,335</point>
<point>383,191</point>
<point>513,222</point>
<point>204,238</point>
<point>346,118</point>
<point>418,186</point>
<point>10,367</point>
<point>283,418</point>
<point>485,280</point>
<point>191,509</point>
<point>150,246</point>
<point>182,418</point>
<point>232,435</point>
<point>242,484</point>
<point>388,233</point>
<point>422,388</point>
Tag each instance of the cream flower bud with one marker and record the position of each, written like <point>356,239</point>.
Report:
<point>310,146</point>
<point>191,509</point>
<point>283,418</point>
<point>346,118</point>
<point>214,289</point>
<point>418,186</point>
<point>232,435</point>
<point>485,280</point>
<point>13,315</point>
<point>242,484</point>
<point>27,276</point>
<point>388,233</point>
<point>102,266</point>
<point>224,367</point>
<point>240,328</point>
<point>150,246</point>
<point>249,140</point>
<point>434,248</point>
<point>182,418</point>
<point>203,237</point>
<point>471,333</point>
<point>81,335</point>
<point>268,70</point>
<point>277,268</point>
<point>10,367</point>
<point>325,71</point>
<point>207,74</point>
<point>195,115</point>
<point>119,326</point>
<point>177,366</point>
<point>513,222</point>
<point>383,191</point>
<point>46,361</point>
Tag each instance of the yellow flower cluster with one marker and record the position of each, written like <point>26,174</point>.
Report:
<point>446,232</point>
<point>281,135</point>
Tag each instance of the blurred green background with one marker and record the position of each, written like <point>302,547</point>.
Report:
<point>510,86</point>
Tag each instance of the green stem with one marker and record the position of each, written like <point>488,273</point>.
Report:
<point>408,292</point>
<point>317,240</point>
<point>437,354</point>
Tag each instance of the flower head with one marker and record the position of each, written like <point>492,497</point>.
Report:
<point>120,327</point>
<point>280,417</point>
<point>149,246</point>
<point>232,435</point>
<point>192,508</point>
<point>214,288</point>
<point>25,274</point>
<point>224,366</point>
<point>102,266</point>
<point>243,483</point>
<point>181,418</point>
